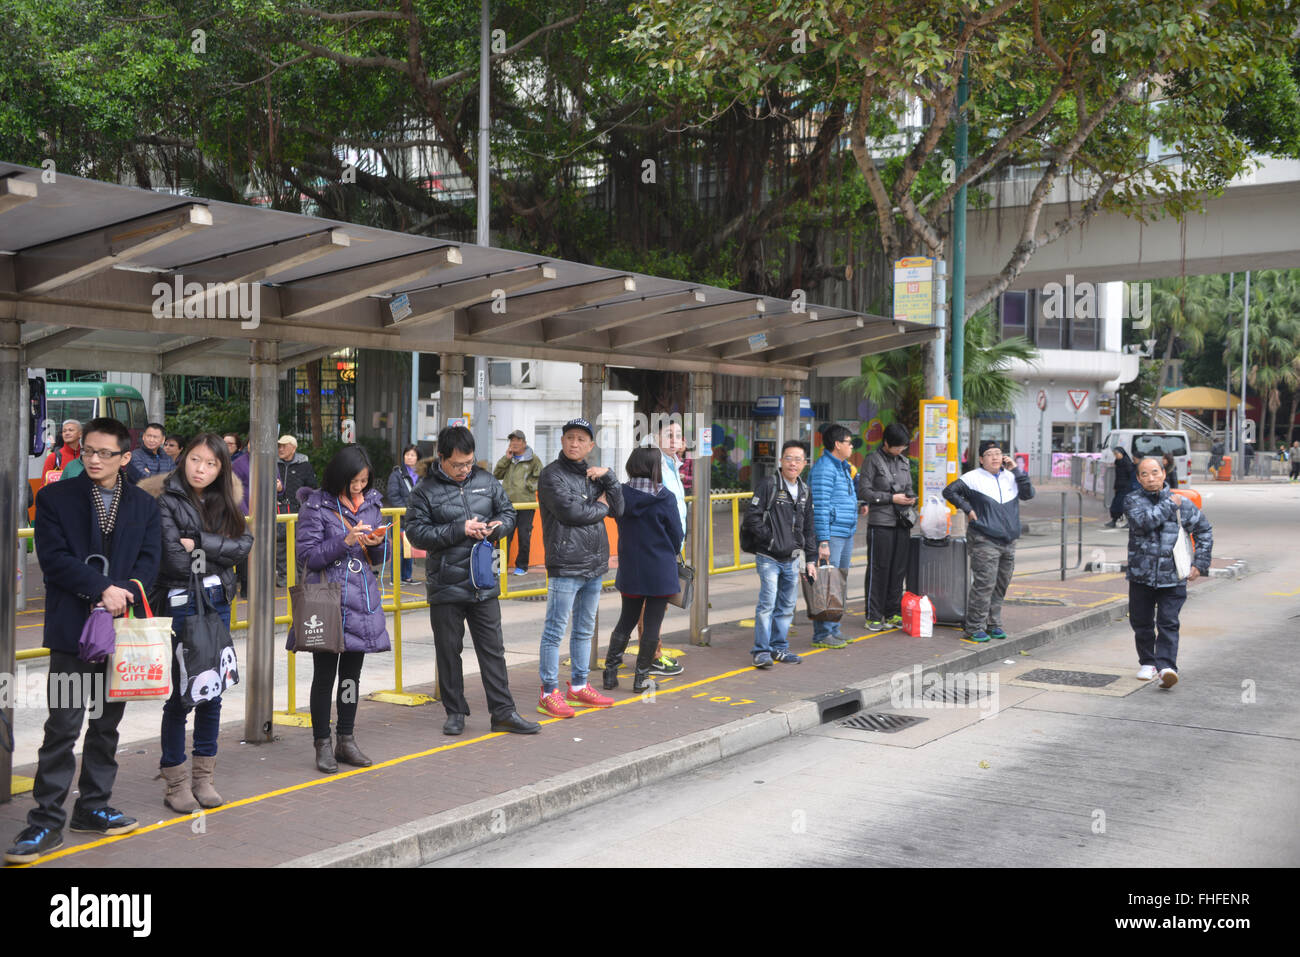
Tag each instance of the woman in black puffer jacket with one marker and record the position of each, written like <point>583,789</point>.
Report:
<point>202,525</point>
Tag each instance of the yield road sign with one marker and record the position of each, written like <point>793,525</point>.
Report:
<point>1078,397</point>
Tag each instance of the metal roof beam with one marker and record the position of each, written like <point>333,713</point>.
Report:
<point>43,345</point>
<point>848,344</point>
<point>15,192</point>
<point>728,332</point>
<point>307,355</point>
<point>441,302</point>
<point>40,269</point>
<point>794,333</point>
<point>173,357</point>
<point>483,321</point>
<point>603,318</point>
<point>683,320</point>
<point>308,297</point>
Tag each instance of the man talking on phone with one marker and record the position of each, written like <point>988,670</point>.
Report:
<point>457,506</point>
<point>990,496</point>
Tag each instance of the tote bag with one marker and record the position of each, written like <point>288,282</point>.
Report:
<point>205,652</point>
<point>140,666</point>
<point>685,586</point>
<point>317,620</point>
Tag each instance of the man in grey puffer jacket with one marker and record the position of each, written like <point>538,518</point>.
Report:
<point>1155,591</point>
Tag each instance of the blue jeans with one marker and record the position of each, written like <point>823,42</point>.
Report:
<point>408,568</point>
<point>777,585</point>
<point>207,715</point>
<point>841,555</point>
<point>565,596</point>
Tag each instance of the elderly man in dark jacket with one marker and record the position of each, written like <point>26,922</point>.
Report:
<point>1156,591</point>
<point>574,499</point>
<point>98,540</point>
<point>457,506</point>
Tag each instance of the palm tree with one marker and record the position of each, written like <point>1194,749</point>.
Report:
<point>1274,358</point>
<point>1183,311</point>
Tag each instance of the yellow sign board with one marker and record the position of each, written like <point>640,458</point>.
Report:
<point>914,289</point>
<point>939,447</point>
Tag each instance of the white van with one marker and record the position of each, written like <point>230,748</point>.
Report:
<point>1139,443</point>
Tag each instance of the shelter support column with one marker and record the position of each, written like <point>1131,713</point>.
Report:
<point>260,654</point>
<point>13,477</point>
<point>702,411</point>
<point>593,407</point>
<point>451,389</point>
<point>791,393</point>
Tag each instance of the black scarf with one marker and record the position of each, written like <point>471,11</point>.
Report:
<point>107,516</point>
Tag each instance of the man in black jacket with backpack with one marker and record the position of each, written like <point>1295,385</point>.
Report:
<point>457,506</point>
<point>778,528</point>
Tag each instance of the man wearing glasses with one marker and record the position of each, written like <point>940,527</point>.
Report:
<point>95,533</point>
<point>457,506</point>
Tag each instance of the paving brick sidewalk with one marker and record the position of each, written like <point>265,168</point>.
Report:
<point>280,808</point>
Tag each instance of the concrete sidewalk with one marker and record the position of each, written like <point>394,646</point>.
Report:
<point>429,795</point>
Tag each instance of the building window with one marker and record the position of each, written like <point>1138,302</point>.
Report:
<point>1083,333</point>
<point>1013,312</point>
<point>1047,330</point>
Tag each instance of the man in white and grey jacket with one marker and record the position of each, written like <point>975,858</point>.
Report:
<point>990,496</point>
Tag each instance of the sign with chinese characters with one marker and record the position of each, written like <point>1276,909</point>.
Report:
<point>914,289</point>
<point>939,448</point>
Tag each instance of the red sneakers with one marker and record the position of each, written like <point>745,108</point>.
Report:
<point>588,697</point>
<point>553,705</point>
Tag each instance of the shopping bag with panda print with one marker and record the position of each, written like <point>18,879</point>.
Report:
<point>205,652</point>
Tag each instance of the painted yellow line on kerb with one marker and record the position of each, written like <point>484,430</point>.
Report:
<point>392,762</point>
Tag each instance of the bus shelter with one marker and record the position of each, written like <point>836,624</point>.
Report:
<point>107,277</point>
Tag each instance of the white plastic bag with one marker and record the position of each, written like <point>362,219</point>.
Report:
<point>934,518</point>
<point>1182,550</point>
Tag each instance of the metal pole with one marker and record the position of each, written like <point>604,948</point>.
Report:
<point>1245,365</point>
<point>702,406</point>
<point>260,654</point>
<point>484,118</point>
<point>1228,440</point>
<point>593,407</point>
<point>939,385</point>
<point>1062,536</point>
<point>451,389</point>
<point>13,475</point>
<point>791,400</point>
<point>415,397</point>
<point>959,245</point>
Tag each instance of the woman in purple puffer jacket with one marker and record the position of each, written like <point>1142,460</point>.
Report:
<point>339,536</point>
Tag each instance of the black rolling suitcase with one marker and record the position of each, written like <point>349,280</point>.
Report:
<point>939,569</point>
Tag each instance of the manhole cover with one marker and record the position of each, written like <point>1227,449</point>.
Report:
<point>879,721</point>
<point>957,695</point>
<point>1080,679</point>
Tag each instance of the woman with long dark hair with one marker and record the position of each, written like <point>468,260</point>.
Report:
<point>401,482</point>
<point>649,538</point>
<point>340,535</point>
<point>199,503</point>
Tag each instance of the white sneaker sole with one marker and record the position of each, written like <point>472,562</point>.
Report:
<point>1168,679</point>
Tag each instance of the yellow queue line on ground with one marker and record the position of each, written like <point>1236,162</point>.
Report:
<point>393,762</point>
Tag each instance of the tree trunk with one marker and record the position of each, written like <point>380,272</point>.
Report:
<point>313,399</point>
<point>1290,423</point>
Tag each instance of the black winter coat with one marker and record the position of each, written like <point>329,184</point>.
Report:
<point>573,522</point>
<point>791,522</point>
<point>295,474</point>
<point>180,519</point>
<point>435,521</point>
<point>1152,532</point>
<point>399,487</point>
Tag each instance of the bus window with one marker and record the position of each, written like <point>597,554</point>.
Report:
<point>139,420</point>
<point>60,410</point>
<point>120,409</point>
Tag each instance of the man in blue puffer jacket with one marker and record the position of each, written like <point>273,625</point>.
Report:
<point>1155,591</point>
<point>835,516</point>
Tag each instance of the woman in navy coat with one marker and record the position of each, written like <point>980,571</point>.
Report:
<point>649,540</point>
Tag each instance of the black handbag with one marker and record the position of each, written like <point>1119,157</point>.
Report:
<point>685,585</point>
<point>205,653</point>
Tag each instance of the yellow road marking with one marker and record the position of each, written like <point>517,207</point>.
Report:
<point>392,762</point>
<point>1285,594</point>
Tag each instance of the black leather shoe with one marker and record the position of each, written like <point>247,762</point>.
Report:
<point>102,820</point>
<point>346,750</point>
<point>455,724</point>
<point>515,724</point>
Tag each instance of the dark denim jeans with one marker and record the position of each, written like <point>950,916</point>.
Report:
<point>207,715</point>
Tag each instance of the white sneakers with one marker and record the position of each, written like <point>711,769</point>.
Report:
<point>1146,672</point>
<point>1168,678</point>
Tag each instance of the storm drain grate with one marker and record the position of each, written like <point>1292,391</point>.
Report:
<point>962,694</point>
<point>879,721</point>
<point>1080,679</point>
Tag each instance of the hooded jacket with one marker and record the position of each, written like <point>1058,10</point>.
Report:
<point>1153,531</point>
<point>995,499</point>
<point>435,521</point>
<point>519,475</point>
<point>321,547</point>
<point>180,519</point>
<point>573,522</point>
<point>649,538</point>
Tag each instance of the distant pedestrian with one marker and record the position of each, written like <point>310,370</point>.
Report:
<point>1295,460</point>
<point>1125,479</point>
<point>172,446</point>
<point>835,517</point>
<point>199,504</point>
<point>1171,470</point>
<point>519,470</point>
<point>1216,458</point>
<point>574,499</point>
<point>780,521</point>
<point>65,452</point>
<point>340,535</point>
<point>1156,592</point>
<point>401,482</point>
<point>885,484</point>
<point>150,459</point>
<point>649,540</point>
<point>990,496</point>
<point>98,541</point>
<point>293,472</point>
<point>457,506</point>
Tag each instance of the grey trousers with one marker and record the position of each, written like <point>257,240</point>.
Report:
<point>991,565</point>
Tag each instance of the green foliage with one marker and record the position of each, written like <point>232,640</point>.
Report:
<point>219,416</point>
<point>381,457</point>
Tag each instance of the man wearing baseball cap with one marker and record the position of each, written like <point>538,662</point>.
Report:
<point>990,496</point>
<point>292,472</point>
<point>574,499</point>
<point>519,471</point>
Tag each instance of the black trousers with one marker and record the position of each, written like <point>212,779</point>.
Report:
<point>484,618</point>
<point>71,687</point>
<point>325,668</point>
<point>524,533</point>
<point>886,566</point>
<point>628,618</point>
<point>1153,613</point>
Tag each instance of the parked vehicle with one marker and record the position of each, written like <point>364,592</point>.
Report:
<point>1140,443</point>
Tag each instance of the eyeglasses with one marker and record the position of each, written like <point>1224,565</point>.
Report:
<point>455,467</point>
<point>99,454</point>
<point>792,458</point>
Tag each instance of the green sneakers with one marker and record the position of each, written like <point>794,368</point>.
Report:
<point>830,641</point>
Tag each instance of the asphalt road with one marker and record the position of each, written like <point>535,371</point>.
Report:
<point>1205,774</point>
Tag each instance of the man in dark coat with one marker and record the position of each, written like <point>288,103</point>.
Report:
<point>293,471</point>
<point>457,506</point>
<point>1156,591</point>
<point>98,540</point>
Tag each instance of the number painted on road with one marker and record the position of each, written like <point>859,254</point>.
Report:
<point>724,699</point>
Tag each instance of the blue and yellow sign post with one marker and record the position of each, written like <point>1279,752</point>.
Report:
<point>939,447</point>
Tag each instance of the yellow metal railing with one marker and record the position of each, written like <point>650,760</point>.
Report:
<point>735,499</point>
